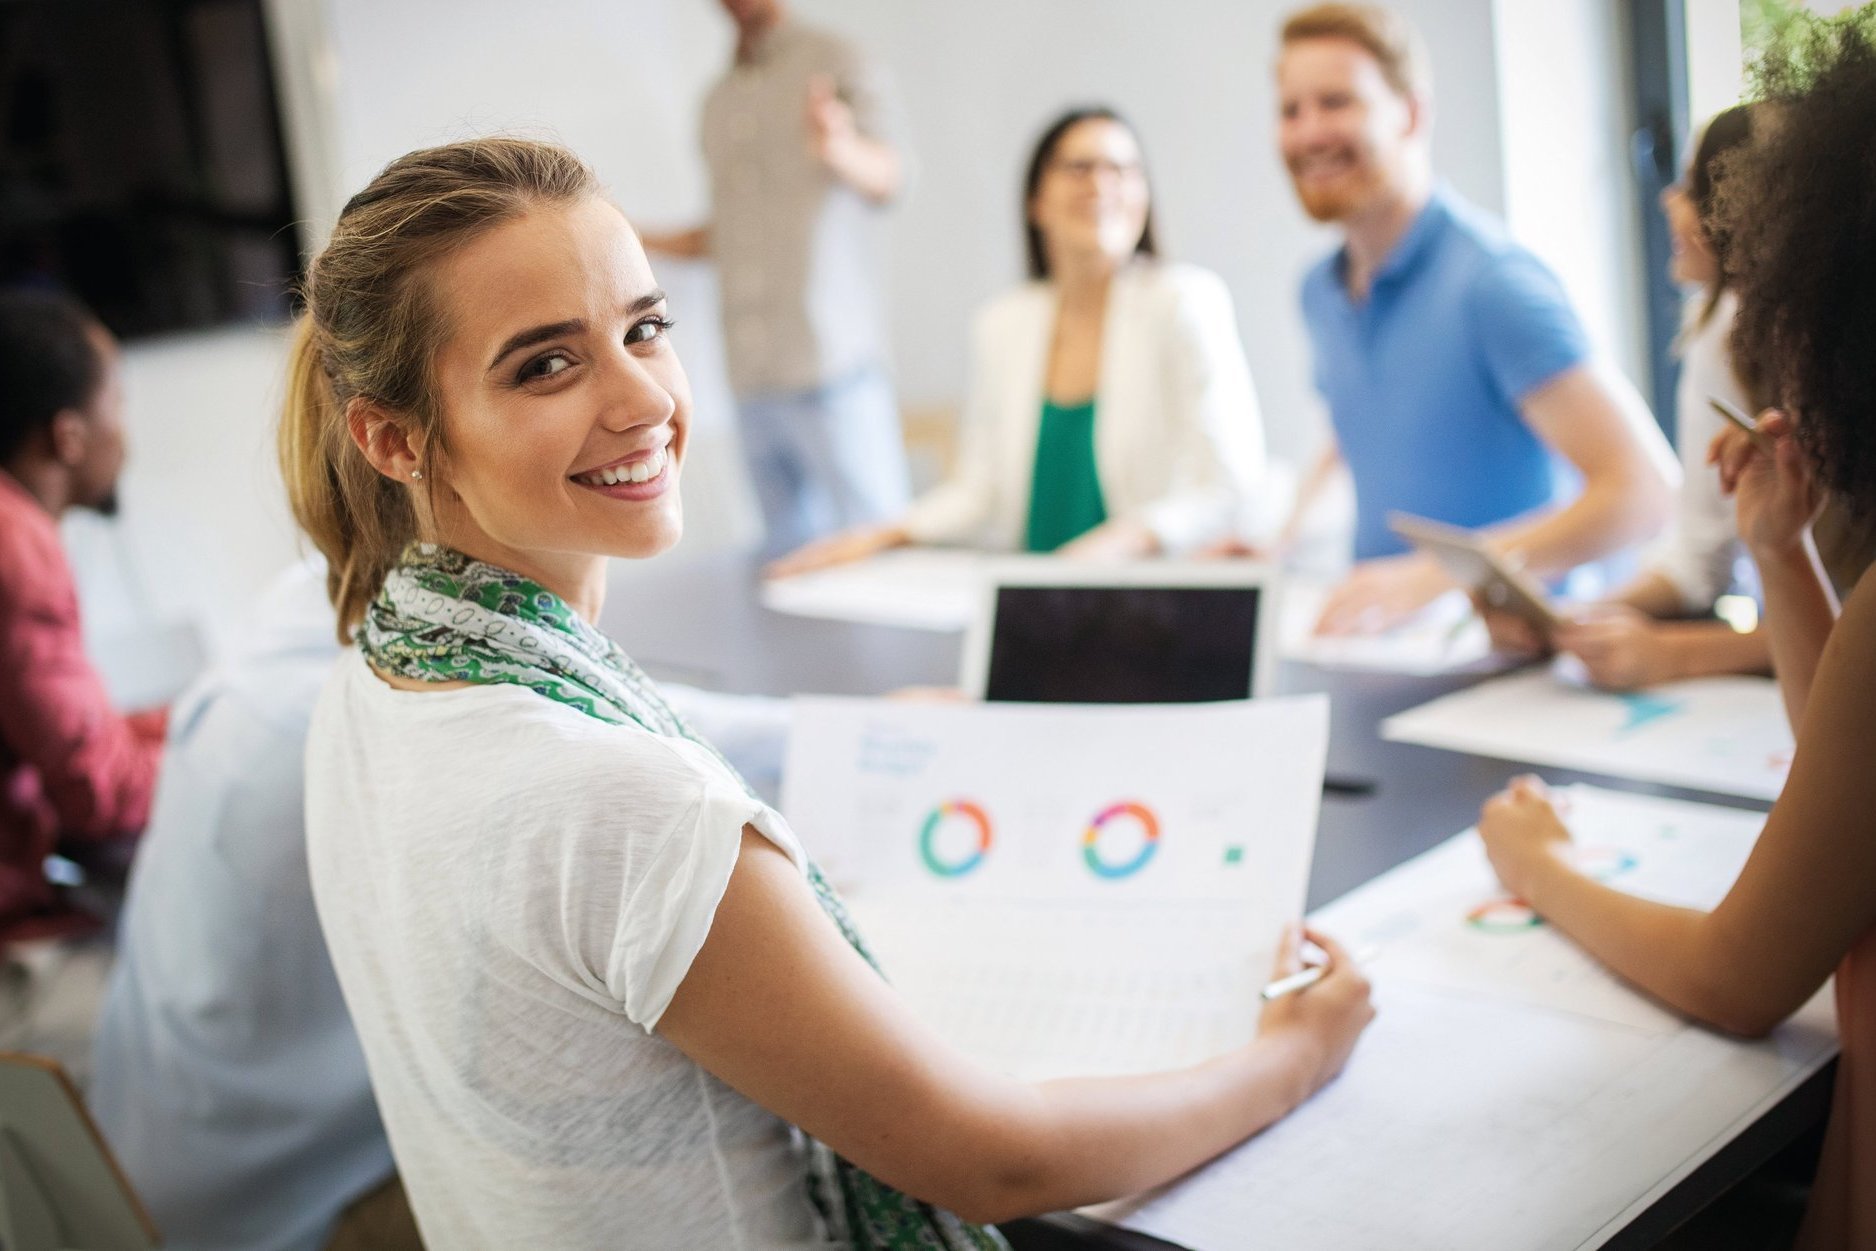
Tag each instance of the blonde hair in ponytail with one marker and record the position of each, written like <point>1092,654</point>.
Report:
<point>370,333</point>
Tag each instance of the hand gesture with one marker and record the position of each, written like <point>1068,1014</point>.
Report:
<point>836,549</point>
<point>1621,649</point>
<point>1511,635</point>
<point>1775,497</point>
<point>1381,594</point>
<point>1520,828</point>
<point>831,128</point>
<point>1234,547</point>
<point>1111,540</point>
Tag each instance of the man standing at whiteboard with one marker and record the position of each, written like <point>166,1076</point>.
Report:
<point>799,139</point>
<point>1458,378</point>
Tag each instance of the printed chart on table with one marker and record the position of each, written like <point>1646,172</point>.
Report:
<point>1724,735</point>
<point>1446,924</point>
<point>1510,1092</point>
<point>1067,889</point>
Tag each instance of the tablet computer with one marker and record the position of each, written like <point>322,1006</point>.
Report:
<point>1478,568</point>
<point>1148,632</point>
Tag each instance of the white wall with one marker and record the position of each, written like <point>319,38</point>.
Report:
<point>1715,65</point>
<point>204,522</point>
<point>1565,125</point>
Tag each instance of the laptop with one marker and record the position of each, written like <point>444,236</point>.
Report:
<point>1149,632</point>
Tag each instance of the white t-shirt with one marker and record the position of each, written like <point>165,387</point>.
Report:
<point>1701,550</point>
<point>512,892</point>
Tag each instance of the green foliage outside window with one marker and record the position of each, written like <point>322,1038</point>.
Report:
<point>1763,23</point>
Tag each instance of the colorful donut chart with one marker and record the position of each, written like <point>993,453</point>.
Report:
<point>1091,840</point>
<point>1513,916</point>
<point>1503,916</point>
<point>954,809</point>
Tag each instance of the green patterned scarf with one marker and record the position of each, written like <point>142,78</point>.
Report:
<point>443,617</point>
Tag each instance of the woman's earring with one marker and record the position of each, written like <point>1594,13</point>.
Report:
<point>417,474</point>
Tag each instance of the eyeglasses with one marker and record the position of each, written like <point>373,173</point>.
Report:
<point>1088,168</point>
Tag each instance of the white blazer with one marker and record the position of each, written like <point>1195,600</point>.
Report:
<point>1178,441</point>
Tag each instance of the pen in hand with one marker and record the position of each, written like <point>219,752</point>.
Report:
<point>1308,977</point>
<point>1739,419</point>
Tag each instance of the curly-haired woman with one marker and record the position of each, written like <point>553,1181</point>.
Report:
<point>1803,217</point>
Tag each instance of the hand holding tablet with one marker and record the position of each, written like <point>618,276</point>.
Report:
<point>1474,565</point>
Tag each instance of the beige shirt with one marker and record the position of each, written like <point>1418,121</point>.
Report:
<point>796,249</point>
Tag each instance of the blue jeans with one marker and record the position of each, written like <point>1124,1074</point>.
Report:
<point>824,459</point>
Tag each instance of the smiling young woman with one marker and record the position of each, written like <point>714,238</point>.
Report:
<point>596,979</point>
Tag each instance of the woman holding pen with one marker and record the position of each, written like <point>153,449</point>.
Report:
<point>1804,906</point>
<point>598,983</point>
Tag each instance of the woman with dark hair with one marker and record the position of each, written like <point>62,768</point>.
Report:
<point>1801,215</point>
<point>1110,412</point>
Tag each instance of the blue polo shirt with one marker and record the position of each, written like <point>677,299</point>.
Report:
<point>1424,377</point>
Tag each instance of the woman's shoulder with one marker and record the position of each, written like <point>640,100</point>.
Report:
<point>505,727</point>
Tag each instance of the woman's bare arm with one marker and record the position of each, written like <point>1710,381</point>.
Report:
<point>1806,894</point>
<point>778,1006</point>
<point>1776,502</point>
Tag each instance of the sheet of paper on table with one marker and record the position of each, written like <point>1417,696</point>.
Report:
<point>1725,735</point>
<point>1067,889</point>
<point>1445,637</point>
<point>917,588</point>
<point>1510,1092</point>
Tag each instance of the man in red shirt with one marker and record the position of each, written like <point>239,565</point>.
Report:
<point>72,769</point>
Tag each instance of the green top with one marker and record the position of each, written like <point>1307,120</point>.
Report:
<point>1065,490</point>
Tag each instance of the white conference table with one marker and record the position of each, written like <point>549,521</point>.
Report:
<point>698,620</point>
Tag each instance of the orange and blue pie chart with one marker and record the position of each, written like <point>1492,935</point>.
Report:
<point>1504,916</point>
<point>1112,821</point>
<point>951,824</point>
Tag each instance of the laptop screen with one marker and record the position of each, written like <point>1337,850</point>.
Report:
<point>1123,644</point>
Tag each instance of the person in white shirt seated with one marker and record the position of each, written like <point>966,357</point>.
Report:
<point>605,997</point>
<point>1109,410</point>
<point>1660,628</point>
<point>229,1081</point>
